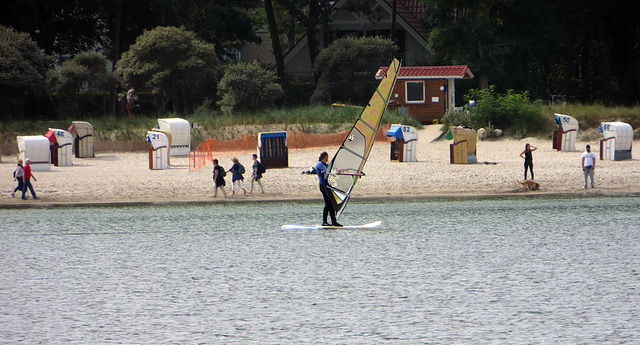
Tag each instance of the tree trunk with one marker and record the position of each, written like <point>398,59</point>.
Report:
<point>605,61</point>
<point>393,20</point>
<point>46,30</point>
<point>291,34</point>
<point>275,39</point>
<point>115,33</point>
<point>314,12</point>
<point>310,20</point>
<point>484,78</point>
<point>112,103</point>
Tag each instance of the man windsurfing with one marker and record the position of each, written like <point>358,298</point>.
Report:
<point>321,167</point>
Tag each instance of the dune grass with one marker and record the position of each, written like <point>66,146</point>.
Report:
<point>212,123</point>
<point>312,119</point>
<point>590,116</point>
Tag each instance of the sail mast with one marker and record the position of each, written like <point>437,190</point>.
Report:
<point>347,164</point>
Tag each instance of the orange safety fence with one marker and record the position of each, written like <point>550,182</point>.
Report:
<point>203,153</point>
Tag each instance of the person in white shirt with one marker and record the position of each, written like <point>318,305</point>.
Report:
<point>588,165</point>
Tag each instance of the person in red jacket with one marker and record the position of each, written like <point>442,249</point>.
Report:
<point>26,179</point>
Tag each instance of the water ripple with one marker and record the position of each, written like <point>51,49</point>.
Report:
<point>486,271</point>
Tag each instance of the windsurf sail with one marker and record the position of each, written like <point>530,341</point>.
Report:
<point>345,169</point>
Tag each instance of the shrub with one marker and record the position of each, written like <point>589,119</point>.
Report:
<point>297,93</point>
<point>248,86</point>
<point>85,69</point>
<point>456,118</point>
<point>513,112</point>
<point>590,116</point>
<point>23,70</point>
<point>347,69</point>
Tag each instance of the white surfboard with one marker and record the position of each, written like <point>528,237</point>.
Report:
<point>312,227</point>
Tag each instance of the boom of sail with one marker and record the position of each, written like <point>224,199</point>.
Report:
<point>345,168</point>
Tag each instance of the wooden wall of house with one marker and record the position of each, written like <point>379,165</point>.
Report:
<point>425,112</point>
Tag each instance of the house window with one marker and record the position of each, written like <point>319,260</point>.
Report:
<point>414,91</point>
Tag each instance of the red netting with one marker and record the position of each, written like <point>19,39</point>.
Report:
<point>203,153</point>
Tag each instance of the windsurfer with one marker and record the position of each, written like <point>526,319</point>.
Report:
<point>321,167</point>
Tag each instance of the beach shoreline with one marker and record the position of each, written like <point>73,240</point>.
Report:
<point>117,203</point>
<point>114,178</point>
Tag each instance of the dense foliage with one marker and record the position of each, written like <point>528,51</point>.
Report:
<point>583,50</point>
<point>346,68</point>
<point>67,27</point>
<point>174,64</point>
<point>580,50</point>
<point>246,87</point>
<point>87,70</point>
<point>22,65</point>
<point>503,42</point>
<point>512,111</point>
<point>23,71</point>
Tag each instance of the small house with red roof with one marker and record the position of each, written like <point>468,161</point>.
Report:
<point>426,93</point>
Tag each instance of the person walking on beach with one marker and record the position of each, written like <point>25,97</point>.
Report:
<point>256,175</point>
<point>218,179</point>
<point>26,179</point>
<point>17,176</point>
<point>528,159</point>
<point>588,165</point>
<point>321,167</point>
<point>237,172</point>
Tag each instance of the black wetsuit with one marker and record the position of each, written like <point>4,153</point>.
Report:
<point>528,163</point>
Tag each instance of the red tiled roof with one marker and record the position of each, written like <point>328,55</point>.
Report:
<point>430,72</point>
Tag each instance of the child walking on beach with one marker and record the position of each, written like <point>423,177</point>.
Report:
<point>237,170</point>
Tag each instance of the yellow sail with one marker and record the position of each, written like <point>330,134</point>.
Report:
<point>346,166</point>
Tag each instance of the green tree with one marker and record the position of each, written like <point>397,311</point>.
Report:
<point>285,22</point>
<point>176,66</point>
<point>347,69</point>
<point>23,71</point>
<point>503,41</point>
<point>598,59</point>
<point>225,23</point>
<point>283,27</point>
<point>310,14</point>
<point>86,73</point>
<point>87,70</point>
<point>59,27</point>
<point>248,87</point>
<point>275,38</point>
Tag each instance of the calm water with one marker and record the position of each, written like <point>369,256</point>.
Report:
<point>486,271</point>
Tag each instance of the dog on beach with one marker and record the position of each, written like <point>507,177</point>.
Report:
<point>530,184</point>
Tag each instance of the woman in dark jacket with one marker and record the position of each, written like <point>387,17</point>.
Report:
<point>218,179</point>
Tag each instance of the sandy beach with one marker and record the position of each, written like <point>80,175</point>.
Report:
<point>113,177</point>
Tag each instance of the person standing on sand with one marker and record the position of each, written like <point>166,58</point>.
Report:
<point>588,165</point>
<point>321,167</point>
<point>218,179</point>
<point>26,179</point>
<point>132,98</point>
<point>528,159</point>
<point>256,175</point>
<point>17,176</point>
<point>237,170</point>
